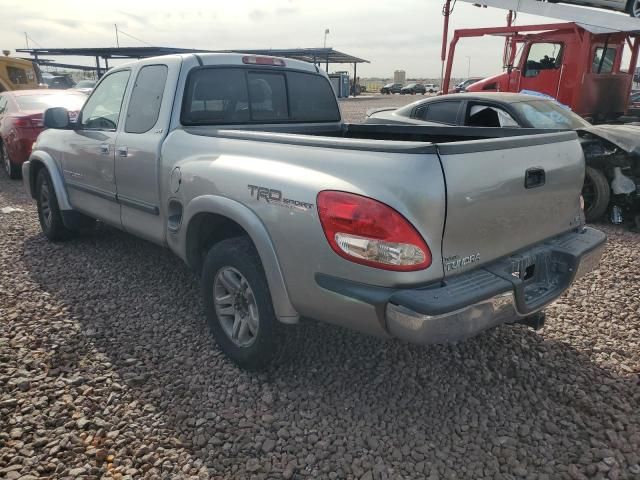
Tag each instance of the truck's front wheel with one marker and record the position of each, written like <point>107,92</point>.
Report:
<point>48,210</point>
<point>238,303</point>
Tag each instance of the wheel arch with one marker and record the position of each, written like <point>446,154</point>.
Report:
<point>209,219</point>
<point>30,169</point>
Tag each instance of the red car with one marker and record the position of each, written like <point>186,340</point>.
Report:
<point>21,114</point>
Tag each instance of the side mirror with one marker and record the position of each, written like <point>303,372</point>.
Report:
<point>56,117</point>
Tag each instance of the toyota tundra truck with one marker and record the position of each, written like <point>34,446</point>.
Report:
<point>242,166</point>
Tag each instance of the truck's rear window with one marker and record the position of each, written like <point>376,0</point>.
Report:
<point>216,96</point>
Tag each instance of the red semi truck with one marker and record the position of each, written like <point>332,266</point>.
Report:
<point>582,68</point>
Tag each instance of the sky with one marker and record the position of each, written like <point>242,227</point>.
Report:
<point>402,34</point>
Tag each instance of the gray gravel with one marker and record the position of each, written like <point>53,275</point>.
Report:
<point>107,371</point>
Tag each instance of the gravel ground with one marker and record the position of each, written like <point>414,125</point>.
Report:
<point>107,371</point>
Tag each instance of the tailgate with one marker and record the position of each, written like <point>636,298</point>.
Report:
<point>506,194</point>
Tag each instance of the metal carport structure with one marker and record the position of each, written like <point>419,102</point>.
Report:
<point>312,55</point>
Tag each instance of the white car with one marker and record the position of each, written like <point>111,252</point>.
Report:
<point>431,87</point>
<point>632,7</point>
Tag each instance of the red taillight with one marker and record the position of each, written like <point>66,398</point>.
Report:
<point>369,232</point>
<point>29,121</point>
<point>254,60</point>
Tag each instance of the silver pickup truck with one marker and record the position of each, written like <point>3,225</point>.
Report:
<point>242,166</point>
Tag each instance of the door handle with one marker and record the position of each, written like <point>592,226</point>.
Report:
<point>104,149</point>
<point>123,151</point>
<point>534,177</point>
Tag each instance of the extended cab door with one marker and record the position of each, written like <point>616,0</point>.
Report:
<point>88,162</point>
<point>137,160</point>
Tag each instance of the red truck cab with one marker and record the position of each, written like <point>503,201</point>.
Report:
<point>581,69</point>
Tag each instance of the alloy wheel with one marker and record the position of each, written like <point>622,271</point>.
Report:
<point>45,203</point>
<point>236,306</point>
<point>635,8</point>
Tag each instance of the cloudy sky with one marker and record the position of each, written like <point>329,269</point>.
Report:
<point>398,34</point>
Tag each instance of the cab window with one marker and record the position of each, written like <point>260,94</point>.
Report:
<point>102,110</point>
<point>543,56</point>
<point>603,61</point>
<point>146,99</point>
<point>215,95</point>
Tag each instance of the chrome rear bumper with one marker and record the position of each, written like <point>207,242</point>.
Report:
<point>514,288</point>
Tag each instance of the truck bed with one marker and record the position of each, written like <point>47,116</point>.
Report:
<point>385,138</point>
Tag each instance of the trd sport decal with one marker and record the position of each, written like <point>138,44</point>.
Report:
<point>275,197</point>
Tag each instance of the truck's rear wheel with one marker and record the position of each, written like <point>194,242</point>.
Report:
<point>596,194</point>
<point>634,8</point>
<point>238,303</point>
<point>48,209</point>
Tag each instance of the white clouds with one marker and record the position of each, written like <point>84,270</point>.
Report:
<point>401,34</point>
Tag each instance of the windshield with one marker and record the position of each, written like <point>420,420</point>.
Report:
<point>69,101</point>
<point>389,84</point>
<point>411,85</point>
<point>548,114</point>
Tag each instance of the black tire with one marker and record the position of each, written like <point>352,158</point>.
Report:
<point>633,7</point>
<point>239,255</point>
<point>596,193</point>
<point>48,209</point>
<point>12,170</point>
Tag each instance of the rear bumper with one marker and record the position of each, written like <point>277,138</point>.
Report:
<point>506,291</point>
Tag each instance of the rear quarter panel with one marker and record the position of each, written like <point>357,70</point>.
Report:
<point>410,183</point>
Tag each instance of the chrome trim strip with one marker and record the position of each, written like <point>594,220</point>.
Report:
<point>93,191</point>
<point>138,204</point>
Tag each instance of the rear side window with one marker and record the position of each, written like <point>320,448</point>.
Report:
<point>442,112</point>
<point>146,99</point>
<point>215,96</point>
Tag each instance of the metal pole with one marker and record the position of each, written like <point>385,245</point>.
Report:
<point>447,74</point>
<point>505,54</point>
<point>98,67</point>
<point>468,66</point>
<point>117,39</point>
<point>355,77</point>
<point>446,11</point>
<point>26,38</point>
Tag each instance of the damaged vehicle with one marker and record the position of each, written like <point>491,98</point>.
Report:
<point>612,152</point>
<point>243,166</point>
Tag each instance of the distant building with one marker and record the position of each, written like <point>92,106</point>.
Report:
<point>399,76</point>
